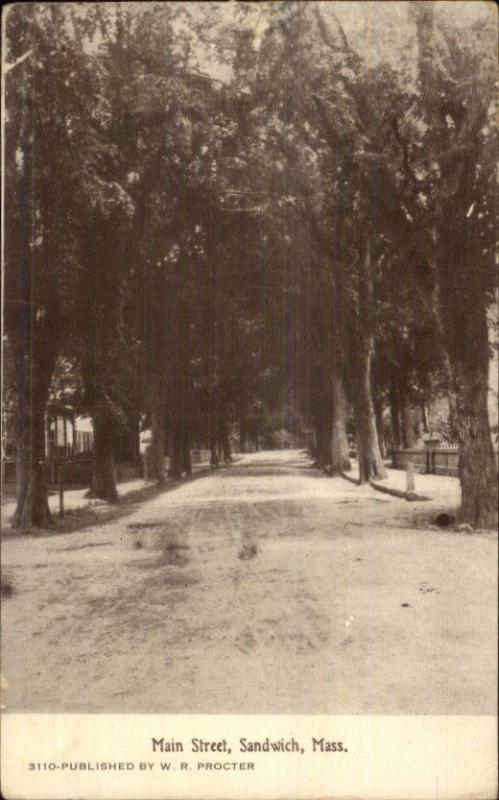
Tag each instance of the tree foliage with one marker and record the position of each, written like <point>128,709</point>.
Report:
<point>240,218</point>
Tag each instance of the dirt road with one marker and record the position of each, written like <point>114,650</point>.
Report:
<point>263,588</point>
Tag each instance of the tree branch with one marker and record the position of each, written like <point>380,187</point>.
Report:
<point>323,30</point>
<point>9,67</point>
<point>404,147</point>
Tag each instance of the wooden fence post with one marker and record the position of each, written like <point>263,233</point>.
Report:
<point>60,480</point>
<point>410,483</point>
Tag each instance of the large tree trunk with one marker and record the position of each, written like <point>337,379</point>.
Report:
<point>243,434</point>
<point>477,461</point>
<point>104,476</point>
<point>214,456</point>
<point>180,445</point>
<point>156,455</point>
<point>322,457</point>
<point>224,441</point>
<point>378,411</point>
<point>32,381</point>
<point>186,451</point>
<point>32,503</point>
<point>424,417</point>
<point>134,428</point>
<point>175,468</point>
<point>464,271</point>
<point>369,455</point>
<point>180,383</point>
<point>30,318</point>
<point>323,454</point>
<point>340,460</point>
<point>213,414</point>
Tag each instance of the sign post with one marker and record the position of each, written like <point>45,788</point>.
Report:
<point>60,481</point>
<point>410,483</point>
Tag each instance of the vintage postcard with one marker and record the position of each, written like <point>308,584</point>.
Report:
<point>249,400</point>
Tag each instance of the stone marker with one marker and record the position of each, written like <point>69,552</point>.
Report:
<point>410,483</point>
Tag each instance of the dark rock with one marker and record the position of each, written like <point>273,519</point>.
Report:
<point>444,520</point>
<point>7,588</point>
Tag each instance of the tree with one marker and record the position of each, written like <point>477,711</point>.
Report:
<point>250,235</point>
<point>46,124</point>
<point>457,80</point>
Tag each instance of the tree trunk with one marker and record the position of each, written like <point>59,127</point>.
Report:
<point>243,435</point>
<point>134,425</point>
<point>340,460</point>
<point>32,384</point>
<point>408,434</point>
<point>369,455</point>
<point>175,453</point>
<point>32,503</point>
<point>31,323</point>
<point>214,457</point>
<point>185,411</point>
<point>463,272</point>
<point>395,414</point>
<point>224,442</point>
<point>424,417</point>
<point>179,324</point>
<point>378,411</point>
<point>186,451</point>
<point>322,456</point>
<point>180,425</point>
<point>104,477</point>
<point>477,461</point>
<point>156,463</point>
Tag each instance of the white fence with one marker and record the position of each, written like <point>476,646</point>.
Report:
<point>439,461</point>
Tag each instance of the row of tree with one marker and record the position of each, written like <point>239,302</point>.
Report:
<point>216,213</point>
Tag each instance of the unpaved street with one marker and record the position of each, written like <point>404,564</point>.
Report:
<point>263,588</point>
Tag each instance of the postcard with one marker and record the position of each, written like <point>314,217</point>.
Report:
<point>249,404</point>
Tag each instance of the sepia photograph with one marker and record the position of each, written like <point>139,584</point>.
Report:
<point>250,376</point>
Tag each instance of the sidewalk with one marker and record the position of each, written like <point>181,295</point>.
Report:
<point>75,498</point>
<point>445,489</point>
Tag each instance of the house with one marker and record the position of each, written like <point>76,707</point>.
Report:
<point>67,436</point>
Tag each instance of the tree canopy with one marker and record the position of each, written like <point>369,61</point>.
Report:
<point>251,218</point>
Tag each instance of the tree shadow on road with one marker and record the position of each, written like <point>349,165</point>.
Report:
<point>99,512</point>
